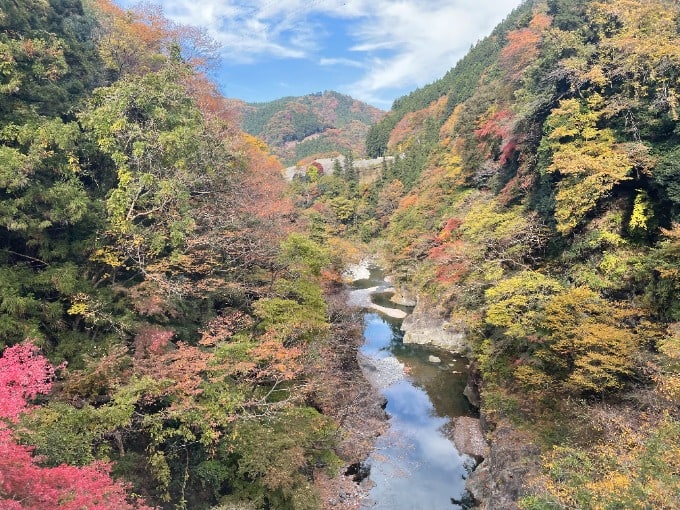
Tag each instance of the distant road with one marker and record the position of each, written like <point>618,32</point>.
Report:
<point>327,164</point>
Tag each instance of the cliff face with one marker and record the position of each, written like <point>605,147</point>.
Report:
<point>500,480</point>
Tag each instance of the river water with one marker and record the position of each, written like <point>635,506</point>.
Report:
<point>414,465</point>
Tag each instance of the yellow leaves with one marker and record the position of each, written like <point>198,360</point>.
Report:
<point>668,386</point>
<point>575,118</point>
<point>647,30</point>
<point>604,357</point>
<point>670,346</point>
<point>596,76</point>
<point>517,303</point>
<point>587,158</point>
<point>668,380</point>
<point>118,125</point>
<point>81,306</point>
<point>642,212</point>
<point>592,158</point>
<point>636,467</point>
<point>78,309</point>
<point>589,341</point>
<point>532,379</point>
<point>106,256</point>
<point>610,484</point>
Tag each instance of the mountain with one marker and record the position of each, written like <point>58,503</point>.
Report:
<point>322,123</point>
<point>533,208</point>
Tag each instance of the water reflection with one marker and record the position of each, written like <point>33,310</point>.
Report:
<point>414,465</point>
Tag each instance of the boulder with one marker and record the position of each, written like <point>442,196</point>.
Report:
<point>468,437</point>
<point>501,480</point>
<point>427,326</point>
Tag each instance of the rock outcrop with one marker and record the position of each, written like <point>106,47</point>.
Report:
<point>428,326</point>
<point>403,297</point>
<point>499,481</point>
<point>469,438</point>
<point>472,388</point>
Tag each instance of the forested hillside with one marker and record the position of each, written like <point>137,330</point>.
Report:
<point>316,124</point>
<point>161,318</point>
<point>536,202</point>
<point>168,329</point>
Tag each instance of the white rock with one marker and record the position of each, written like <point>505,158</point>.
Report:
<point>390,312</point>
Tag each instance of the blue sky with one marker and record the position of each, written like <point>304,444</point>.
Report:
<point>373,50</point>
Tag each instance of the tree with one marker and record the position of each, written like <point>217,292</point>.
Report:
<point>24,373</point>
<point>517,304</point>
<point>350,172</point>
<point>588,347</point>
<point>163,155</point>
<point>522,48</point>
<point>588,160</point>
<point>24,484</point>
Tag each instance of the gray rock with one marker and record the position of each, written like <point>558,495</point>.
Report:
<point>499,481</point>
<point>403,297</point>
<point>434,359</point>
<point>468,437</point>
<point>425,326</point>
<point>474,382</point>
<point>381,372</point>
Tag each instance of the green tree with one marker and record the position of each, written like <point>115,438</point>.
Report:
<point>163,154</point>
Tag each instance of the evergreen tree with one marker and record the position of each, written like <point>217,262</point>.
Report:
<point>338,169</point>
<point>350,172</point>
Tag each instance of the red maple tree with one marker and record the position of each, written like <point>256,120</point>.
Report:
<point>24,483</point>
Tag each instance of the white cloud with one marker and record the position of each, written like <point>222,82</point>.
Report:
<point>427,39</point>
<point>346,62</point>
<point>399,43</point>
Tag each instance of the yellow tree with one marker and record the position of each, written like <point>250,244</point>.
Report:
<point>588,159</point>
<point>588,346</point>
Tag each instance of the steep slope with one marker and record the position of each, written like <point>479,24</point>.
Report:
<point>297,127</point>
<point>537,211</point>
<point>546,220</point>
<point>455,86</point>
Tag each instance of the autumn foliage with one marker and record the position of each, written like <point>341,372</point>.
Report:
<point>24,483</point>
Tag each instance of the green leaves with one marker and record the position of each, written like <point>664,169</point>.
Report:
<point>162,151</point>
<point>518,303</point>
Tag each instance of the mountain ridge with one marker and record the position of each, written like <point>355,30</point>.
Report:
<point>295,127</point>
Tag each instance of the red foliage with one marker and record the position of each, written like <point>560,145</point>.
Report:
<point>413,123</point>
<point>498,129</point>
<point>224,327</point>
<point>182,369</point>
<point>523,46</point>
<point>24,373</point>
<point>451,273</point>
<point>152,340</point>
<point>508,151</point>
<point>497,125</point>
<point>452,263</point>
<point>518,186</point>
<point>276,361</point>
<point>24,485</point>
<point>451,225</point>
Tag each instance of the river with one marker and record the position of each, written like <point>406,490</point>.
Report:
<point>415,465</point>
